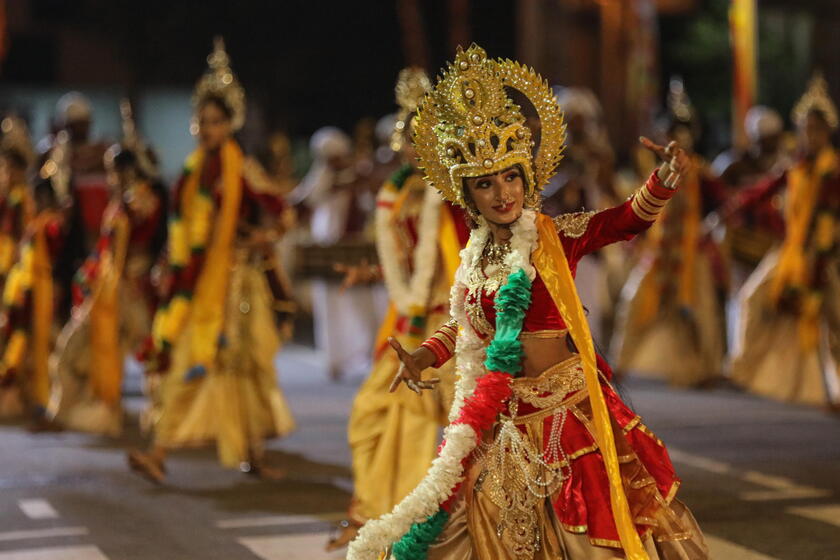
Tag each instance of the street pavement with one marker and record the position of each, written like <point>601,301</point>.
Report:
<point>762,478</point>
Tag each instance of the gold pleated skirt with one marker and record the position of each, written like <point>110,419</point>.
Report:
<point>479,528</point>
<point>237,403</point>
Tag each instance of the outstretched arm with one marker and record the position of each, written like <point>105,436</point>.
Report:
<point>585,232</point>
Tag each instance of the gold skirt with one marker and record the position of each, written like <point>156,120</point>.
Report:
<point>685,351</point>
<point>506,510</point>
<point>73,401</point>
<point>767,358</point>
<point>237,403</point>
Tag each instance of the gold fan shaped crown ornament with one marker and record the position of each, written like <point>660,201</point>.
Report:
<point>220,81</point>
<point>412,84</point>
<point>467,126</point>
<point>816,98</point>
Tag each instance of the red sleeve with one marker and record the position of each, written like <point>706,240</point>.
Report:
<point>583,233</point>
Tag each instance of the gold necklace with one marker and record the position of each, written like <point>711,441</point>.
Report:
<point>495,254</point>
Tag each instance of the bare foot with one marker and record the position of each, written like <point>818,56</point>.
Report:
<point>146,466</point>
<point>348,530</point>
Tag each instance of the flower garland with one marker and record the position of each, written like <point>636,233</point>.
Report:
<point>410,294</point>
<point>483,386</point>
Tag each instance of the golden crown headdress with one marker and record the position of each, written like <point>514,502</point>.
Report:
<point>467,126</point>
<point>816,98</point>
<point>412,85</point>
<point>16,139</point>
<point>220,81</point>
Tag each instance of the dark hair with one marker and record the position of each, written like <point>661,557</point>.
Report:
<point>125,159</point>
<point>219,102</point>
<point>15,157</point>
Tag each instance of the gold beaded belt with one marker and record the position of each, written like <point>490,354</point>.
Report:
<point>551,387</point>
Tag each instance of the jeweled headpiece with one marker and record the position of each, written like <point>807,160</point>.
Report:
<point>467,126</point>
<point>220,81</point>
<point>132,142</point>
<point>16,139</point>
<point>816,98</point>
<point>412,85</point>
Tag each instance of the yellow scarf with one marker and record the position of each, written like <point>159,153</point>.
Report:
<point>18,195</point>
<point>196,225</point>
<point>803,189</point>
<point>106,356</point>
<point>550,261</point>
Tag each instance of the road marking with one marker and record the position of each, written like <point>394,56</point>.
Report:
<point>43,533</point>
<point>37,508</point>
<point>829,513</point>
<point>55,553</point>
<point>291,547</point>
<point>776,487</point>
<point>720,548</point>
<point>278,520</point>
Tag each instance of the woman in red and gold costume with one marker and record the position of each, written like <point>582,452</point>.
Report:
<point>787,344</point>
<point>33,236</point>
<point>541,458</point>
<point>670,323</point>
<point>211,369</point>
<point>393,437</point>
<point>113,299</point>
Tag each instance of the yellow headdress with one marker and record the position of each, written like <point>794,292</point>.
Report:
<point>220,81</point>
<point>412,84</point>
<point>467,126</point>
<point>816,98</point>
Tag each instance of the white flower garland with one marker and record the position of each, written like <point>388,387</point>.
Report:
<point>447,469</point>
<point>409,295</point>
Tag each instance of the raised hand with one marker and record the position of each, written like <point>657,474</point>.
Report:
<point>410,370</point>
<point>676,162</point>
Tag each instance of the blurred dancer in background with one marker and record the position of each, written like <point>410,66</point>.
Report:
<point>788,338</point>
<point>212,370</point>
<point>749,237</point>
<point>84,193</point>
<point>418,237</point>
<point>671,323</point>
<point>16,212</point>
<point>28,313</point>
<point>113,298</point>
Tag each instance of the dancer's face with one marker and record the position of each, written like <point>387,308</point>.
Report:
<point>214,126</point>
<point>499,197</point>
<point>815,134</point>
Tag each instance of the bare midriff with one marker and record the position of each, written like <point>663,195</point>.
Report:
<point>542,353</point>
